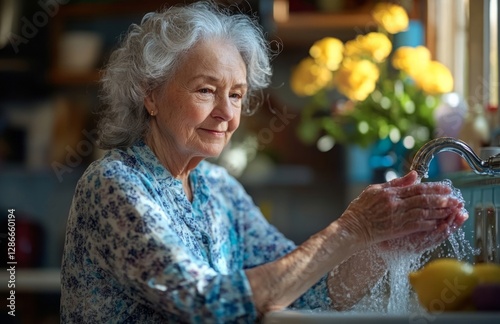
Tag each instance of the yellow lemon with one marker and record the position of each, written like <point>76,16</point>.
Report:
<point>487,272</point>
<point>444,284</point>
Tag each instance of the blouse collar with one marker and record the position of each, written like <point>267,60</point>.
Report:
<point>199,186</point>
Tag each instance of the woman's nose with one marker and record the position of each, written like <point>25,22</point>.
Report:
<point>223,109</point>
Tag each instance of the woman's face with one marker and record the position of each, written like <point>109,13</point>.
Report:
<point>198,110</point>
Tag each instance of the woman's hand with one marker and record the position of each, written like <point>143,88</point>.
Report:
<point>422,241</point>
<point>402,207</point>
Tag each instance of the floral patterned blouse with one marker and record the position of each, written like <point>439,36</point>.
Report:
<point>138,251</point>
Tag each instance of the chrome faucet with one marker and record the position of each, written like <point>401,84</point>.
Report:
<point>486,219</point>
<point>423,158</point>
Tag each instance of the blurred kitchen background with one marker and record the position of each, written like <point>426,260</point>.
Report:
<point>51,52</point>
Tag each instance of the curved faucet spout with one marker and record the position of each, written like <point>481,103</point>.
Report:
<point>422,159</point>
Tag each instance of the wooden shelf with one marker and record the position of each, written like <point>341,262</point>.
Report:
<point>63,78</point>
<point>89,10</point>
<point>302,29</point>
<point>315,21</point>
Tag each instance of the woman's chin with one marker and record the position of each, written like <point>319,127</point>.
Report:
<point>211,154</point>
<point>213,150</point>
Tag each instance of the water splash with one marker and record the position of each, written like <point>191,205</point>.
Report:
<point>399,287</point>
<point>393,293</point>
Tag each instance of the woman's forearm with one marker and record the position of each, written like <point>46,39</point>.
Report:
<point>400,208</point>
<point>354,278</point>
<point>277,284</point>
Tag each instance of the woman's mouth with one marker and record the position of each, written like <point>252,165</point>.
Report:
<point>213,132</point>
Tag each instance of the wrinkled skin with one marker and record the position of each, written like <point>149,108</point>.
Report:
<point>402,216</point>
<point>424,214</point>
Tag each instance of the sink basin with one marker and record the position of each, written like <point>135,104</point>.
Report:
<point>299,316</point>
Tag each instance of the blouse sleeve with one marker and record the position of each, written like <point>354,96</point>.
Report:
<point>264,243</point>
<point>131,238</point>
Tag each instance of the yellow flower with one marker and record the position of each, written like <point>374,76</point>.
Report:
<point>411,60</point>
<point>375,45</point>
<point>309,77</point>
<point>393,18</point>
<point>354,48</point>
<point>328,51</point>
<point>356,79</point>
<point>435,79</point>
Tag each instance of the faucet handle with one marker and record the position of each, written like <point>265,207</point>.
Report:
<point>491,156</point>
<point>494,162</point>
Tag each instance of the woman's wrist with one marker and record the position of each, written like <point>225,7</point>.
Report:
<point>342,235</point>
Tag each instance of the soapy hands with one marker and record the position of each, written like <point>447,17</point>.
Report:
<point>404,214</point>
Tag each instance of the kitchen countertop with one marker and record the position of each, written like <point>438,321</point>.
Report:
<point>299,316</point>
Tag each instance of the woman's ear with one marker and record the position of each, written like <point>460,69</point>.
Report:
<point>150,102</point>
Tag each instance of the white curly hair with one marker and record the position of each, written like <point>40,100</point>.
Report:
<point>150,52</point>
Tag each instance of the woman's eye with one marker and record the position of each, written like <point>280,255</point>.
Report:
<point>205,91</point>
<point>236,96</point>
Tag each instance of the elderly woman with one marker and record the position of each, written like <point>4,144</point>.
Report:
<point>158,234</point>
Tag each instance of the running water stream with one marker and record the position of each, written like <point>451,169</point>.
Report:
<point>393,294</point>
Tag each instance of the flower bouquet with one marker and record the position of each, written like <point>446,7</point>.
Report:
<point>364,90</point>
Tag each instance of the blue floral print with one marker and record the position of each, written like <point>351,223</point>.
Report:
<point>138,251</point>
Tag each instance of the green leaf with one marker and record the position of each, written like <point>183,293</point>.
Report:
<point>308,131</point>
